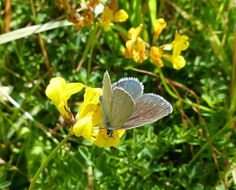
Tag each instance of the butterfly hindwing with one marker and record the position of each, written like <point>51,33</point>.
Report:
<point>148,108</point>
<point>130,85</point>
<point>122,107</point>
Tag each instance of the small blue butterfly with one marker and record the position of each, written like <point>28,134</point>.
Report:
<point>124,105</point>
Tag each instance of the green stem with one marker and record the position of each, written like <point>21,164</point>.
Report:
<point>45,163</point>
<point>120,29</point>
<point>166,86</point>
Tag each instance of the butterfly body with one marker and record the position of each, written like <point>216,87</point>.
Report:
<point>124,105</point>
<point>110,132</point>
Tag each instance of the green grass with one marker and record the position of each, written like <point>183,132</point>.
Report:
<point>193,148</point>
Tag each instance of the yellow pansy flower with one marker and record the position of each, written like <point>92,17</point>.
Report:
<point>103,140</point>
<point>59,92</point>
<point>159,25</point>
<point>110,15</point>
<point>135,46</point>
<point>90,114</point>
<point>179,44</point>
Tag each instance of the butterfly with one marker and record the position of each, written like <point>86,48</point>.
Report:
<point>124,106</point>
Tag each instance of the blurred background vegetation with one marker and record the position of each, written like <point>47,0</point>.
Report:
<point>193,148</point>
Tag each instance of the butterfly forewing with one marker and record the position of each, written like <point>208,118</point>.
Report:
<point>148,108</point>
<point>122,107</point>
<point>105,99</point>
<point>130,85</point>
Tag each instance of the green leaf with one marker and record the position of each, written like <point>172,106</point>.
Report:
<point>30,30</point>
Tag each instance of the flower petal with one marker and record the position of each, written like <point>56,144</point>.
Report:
<point>120,16</point>
<point>134,33</point>
<point>121,133</point>
<point>84,127</point>
<point>55,89</point>
<point>59,92</point>
<point>139,51</point>
<point>159,25</point>
<point>72,88</point>
<point>128,53</point>
<point>103,140</point>
<point>92,95</point>
<point>90,114</point>
<point>178,62</point>
<point>92,110</point>
<point>91,99</point>
<point>156,54</point>
<point>180,43</point>
<point>106,19</point>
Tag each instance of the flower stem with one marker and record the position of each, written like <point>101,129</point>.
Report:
<point>166,85</point>
<point>45,163</point>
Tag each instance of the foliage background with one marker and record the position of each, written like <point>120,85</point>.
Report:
<point>191,149</point>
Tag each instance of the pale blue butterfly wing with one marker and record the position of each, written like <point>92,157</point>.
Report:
<point>105,99</point>
<point>148,108</point>
<point>125,106</point>
<point>122,106</point>
<point>117,104</point>
<point>130,85</point>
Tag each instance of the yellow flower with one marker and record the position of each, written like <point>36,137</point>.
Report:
<point>110,15</point>
<point>179,44</point>
<point>134,33</point>
<point>159,25</point>
<point>156,54</point>
<point>136,50</point>
<point>89,118</point>
<point>90,114</point>
<point>135,46</point>
<point>178,61</point>
<point>106,18</point>
<point>89,124</point>
<point>120,16</point>
<point>59,92</point>
<point>103,140</point>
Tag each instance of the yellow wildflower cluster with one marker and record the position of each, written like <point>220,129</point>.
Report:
<point>111,14</point>
<point>138,50</point>
<point>88,122</point>
<point>135,46</point>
